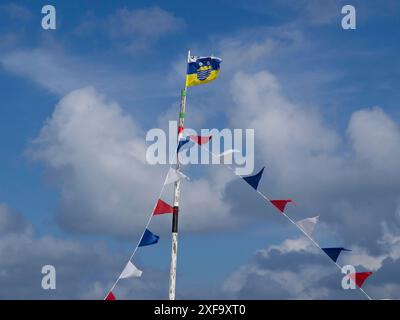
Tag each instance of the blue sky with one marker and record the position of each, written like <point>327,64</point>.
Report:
<point>323,102</point>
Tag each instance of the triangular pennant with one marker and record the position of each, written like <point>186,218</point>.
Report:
<point>110,296</point>
<point>359,277</point>
<point>281,204</point>
<point>130,271</point>
<point>254,180</point>
<point>200,140</point>
<point>334,253</point>
<point>308,224</point>
<point>226,153</point>
<point>174,175</point>
<point>162,207</point>
<point>182,143</point>
<point>148,238</point>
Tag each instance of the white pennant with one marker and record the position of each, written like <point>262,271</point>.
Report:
<point>226,153</point>
<point>174,175</point>
<point>130,271</point>
<point>308,224</point>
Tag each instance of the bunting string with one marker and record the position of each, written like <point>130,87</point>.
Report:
<point>359,278</point>
<point>110,295</point>
<point>306,226</point>
<point>196,75</point>
<point>140,239</point>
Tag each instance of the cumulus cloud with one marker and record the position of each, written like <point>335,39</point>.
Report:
<point>285,127</point>
<point>83,270</point>
<point>291,270</point>
<point>98,155</point>
<point>296,269</point>
<point>349,180</point>
<point>23,254</point>
<point>307,159</point>
<point>346,178</point>
<point>376,140</point>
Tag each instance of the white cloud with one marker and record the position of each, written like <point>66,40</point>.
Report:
<point>360,257</point>
<point>291,245</point>
<point>203,205</point>
<point>133,30</point>
<point>42,67</point>
<point>292,140</point>
<point>349,180</point>
<point>23,254</point>
<point>98,154</point>
<point>308,160</point>
<point>295,269</point>
<point>290,270</point>
<point>61,73</point>
<point>375,138</point>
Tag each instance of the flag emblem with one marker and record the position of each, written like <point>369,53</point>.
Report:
<point>202,70</point>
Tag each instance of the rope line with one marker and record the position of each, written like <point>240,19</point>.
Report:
<point>285,215</point>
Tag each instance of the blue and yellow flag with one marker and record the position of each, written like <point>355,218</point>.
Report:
<point>202,70</point>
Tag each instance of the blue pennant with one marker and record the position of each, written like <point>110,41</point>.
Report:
<point>254,180</point>
<point>184,143</point>
<point>148,238</point>
<point>334,253</point>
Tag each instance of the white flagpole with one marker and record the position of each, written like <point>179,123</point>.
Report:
<point>177,191</point>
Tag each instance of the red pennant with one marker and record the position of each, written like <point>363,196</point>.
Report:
<point>359,277</point>
<point>110,296</point>
<point>162,207</point>
<point>281,204</point>
<point>200,140</point>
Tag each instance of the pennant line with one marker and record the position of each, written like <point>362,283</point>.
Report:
<point>293,222</point>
